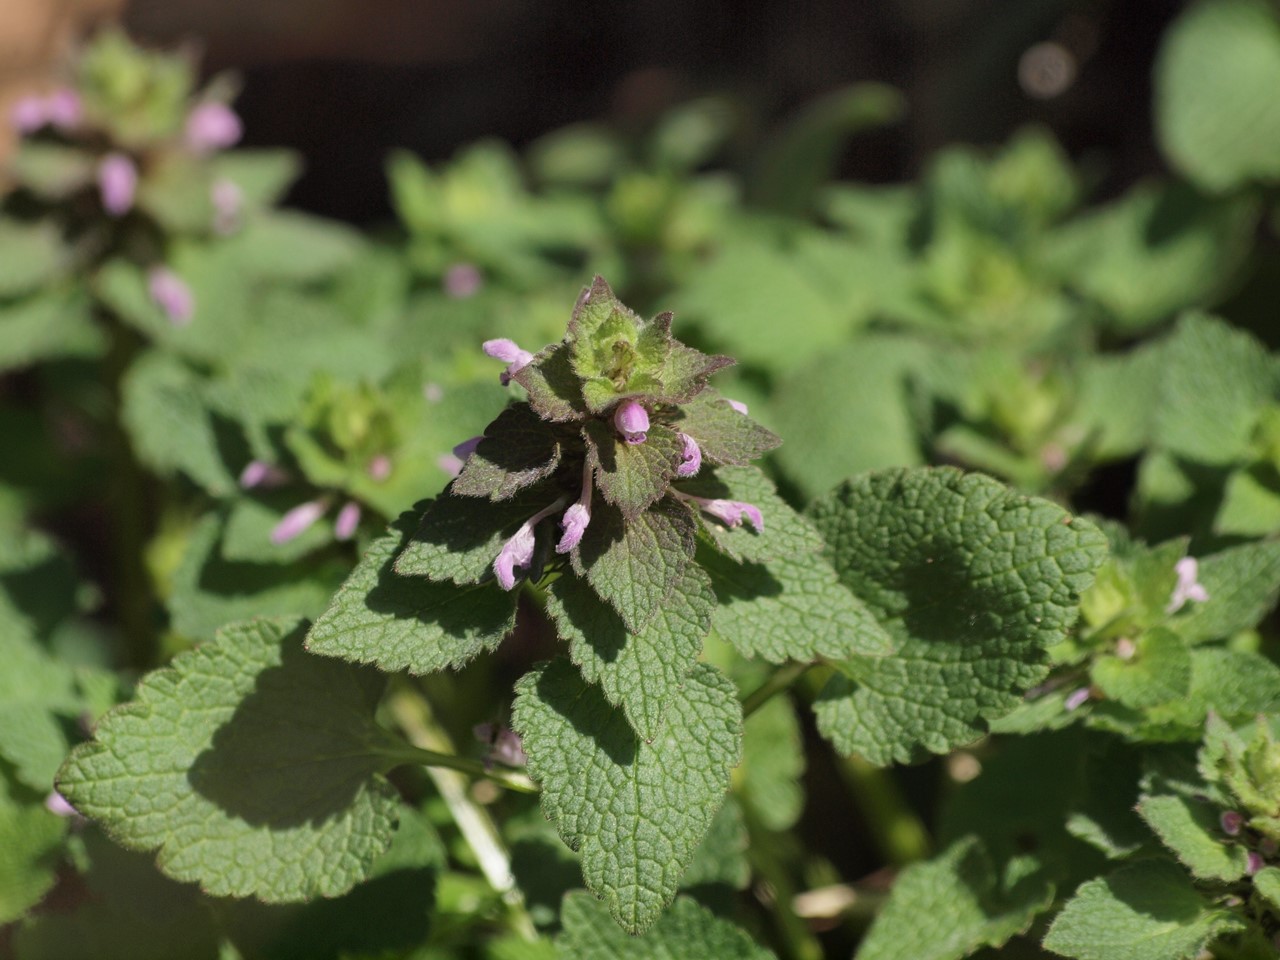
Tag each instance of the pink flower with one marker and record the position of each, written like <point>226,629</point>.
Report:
<point>29,114</point>
<point>690,457</point>
<point>258,473</point>
<point>632,421</point>
<point>1075,700</point>
<point>739,406</point>
<point>379,468</point>
<point>212,126</point>
<point>58,805</point>
<point>344,527</point>
<point>729,512</point>
<point>509,351</point>
<point>117,183</point>
<point>450,464</point>
<point>1187,587</point>
<point>575,519</point>
<point>517,552</point>
<point>298,521</point>
<point>171,294</point>
<point>64,108</point>
<point>462,280</point>
<point>1231,821</point>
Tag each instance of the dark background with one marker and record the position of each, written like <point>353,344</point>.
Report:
<point>343,81</point>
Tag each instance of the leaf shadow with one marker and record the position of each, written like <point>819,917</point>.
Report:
<point>300,747</point>
<point>584,707</point>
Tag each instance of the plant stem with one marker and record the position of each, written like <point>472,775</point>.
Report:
<point>413,713</point>
<point>798,940</point>
<point>898,833</point>
<point>779,680</point>
<point>510,779</point>
<point>127,502</point>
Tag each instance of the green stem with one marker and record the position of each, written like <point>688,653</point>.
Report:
<point>475,768</point>
<point>127,501</point>
<point>779,680</point>
<point>898,833</point>
<point>413,713</point>
<point>798,941</point>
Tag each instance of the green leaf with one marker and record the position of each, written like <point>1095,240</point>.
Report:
<point>208,592</point>
<point>793,608</point>
<point>286,245</point>
<point>1190,829</point>
<point>773,763</point>
<point>1214,119</point>
<point>29,839</point>
<point>687,932</point>
<point>519,449</point>
<point>1216,380</point>
<point>858,392</point>
<point>1266,883</point>
<point>1250,503</point>
<point>635,564</point>
<point>785,534</point>
<point>46,327</point>
<point>263,176</point>
<point>249,765</point>
<point>31,255</point>
<point>724,434</point>
<point>641,672</point>
<point>632,476</point>
<point>1159,249</point>
<point>1158,671</point>
<point>972,580</point>
<point>635,810</point>
<point>460,537</point>
<point>404,623</point>
<point>555,393</point>
<point>35,691</point>
<point>1145,911</point>
<point>949,906</point>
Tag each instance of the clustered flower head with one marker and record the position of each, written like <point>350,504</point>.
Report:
<point>624,418</point>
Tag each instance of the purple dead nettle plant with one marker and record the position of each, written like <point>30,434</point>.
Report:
<point>619,422</point>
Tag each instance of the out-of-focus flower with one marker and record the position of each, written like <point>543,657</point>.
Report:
<point>462,280</point>
<point>212,126</point>
<point>379,467</point>
<point>28,114</point>
<point>172,295</point>
<point>259,473</point>
<point>298,521</point>
<point>344,527</point>
<point>1187,587</point>
<point>117,183</point>
<point>64,108</point>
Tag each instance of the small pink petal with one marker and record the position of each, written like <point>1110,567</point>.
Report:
<point>65,108</point>
<point>690,457</point>
<point>298,521</point>
<point>58,805</point>
<point>117,183</point>
<point>212,126</point>
<point>574,523</point>
<point>380,467</point>
<point>450,464</point>
<point>348,520</point>
<point>29,114</point>
<point>462,280</point>
<point>172,295</point>
<point>739,406</point>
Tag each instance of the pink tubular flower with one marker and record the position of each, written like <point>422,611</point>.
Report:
<point>212,126</point>
<point>227,199</point>
<point>64,108</point>
<point>379,468</point>
<point>1075,700</point>
<point>1231,821</point>
<point>449,463</point>
<point>344,527</point>
<point>462,280</point>
<point>298,521</point>
<point>29,114</point>
<point>739,406</point>
<point>632,421</point>
<point>575,519</point>
<point>171,294</point>
<point>729,512</point>
<point>259,473</point>
<point>1187,587</point>
<point>518,551</point>
<point>1254,863</point>
<point>117,183</point>
<point>507,350</point>
<point>690,457</point>
<point>58,805</point>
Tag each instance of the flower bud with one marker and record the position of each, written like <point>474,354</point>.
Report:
<point>212,126</point>
<point>632,421</point>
